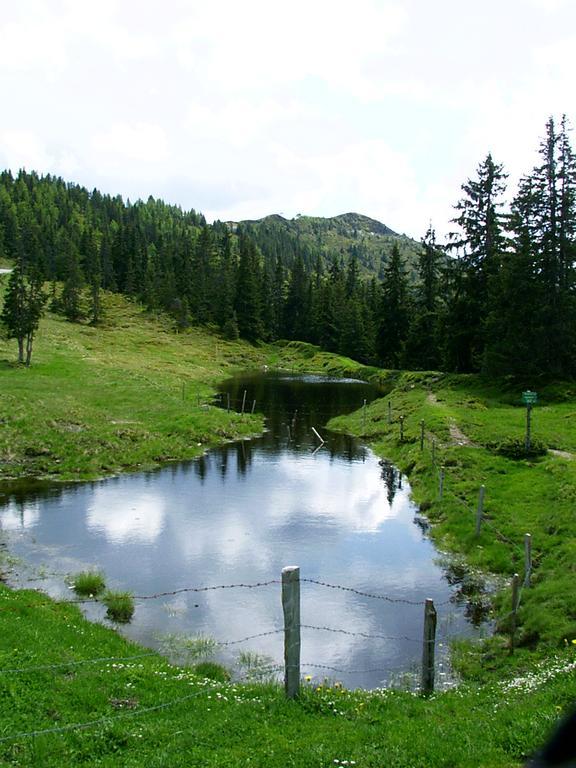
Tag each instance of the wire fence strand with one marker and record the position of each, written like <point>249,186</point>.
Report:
<point>108,718</point>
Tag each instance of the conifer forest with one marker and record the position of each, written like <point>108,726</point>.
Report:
<point>498,297</point>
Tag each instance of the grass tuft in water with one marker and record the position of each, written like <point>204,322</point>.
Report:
<point>88,583</point>
<point>119,605</point>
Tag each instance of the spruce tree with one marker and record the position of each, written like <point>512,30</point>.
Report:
<point>24,303</point>
<point>394,313</point>
<point>539,322</point>
<point>422,347</point>
<point>480,246</point>
<point>248,291</point>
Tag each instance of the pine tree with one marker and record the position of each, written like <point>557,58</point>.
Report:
<point>480,244</point>
<point>23,306</point>
<point>248,291</point>
<point>71,296</point>
<point>394,313</point>
<point>539,322</point>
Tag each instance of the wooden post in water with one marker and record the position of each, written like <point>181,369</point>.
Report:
<point>428,645</point>
<point>364,417</point>
<point>318,436</point>
<point>515,602</point>
<point>291,608</point>
<point>243,401</point>
<point>527,559</point>
<point>253,405</point>
<point>480,510</point>
<point>422,435</point>
<point>441,483</point>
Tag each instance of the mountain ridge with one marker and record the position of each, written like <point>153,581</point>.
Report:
<point>323,240</point>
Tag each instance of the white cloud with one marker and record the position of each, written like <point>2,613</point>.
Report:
<point>244,109</point>
<point>25,149</point>
<point>141,142</point>
<point>257,43</point>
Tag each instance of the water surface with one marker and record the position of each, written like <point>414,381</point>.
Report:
<point>241,513</point>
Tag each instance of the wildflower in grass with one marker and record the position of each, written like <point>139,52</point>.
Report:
<point>307,678</point>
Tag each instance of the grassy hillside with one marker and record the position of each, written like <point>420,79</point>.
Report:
<point>474,427</point>
<point>129,394</point>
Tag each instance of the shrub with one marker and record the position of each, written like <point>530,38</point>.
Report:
<point>212,671</point>
<point>88,583</point>
<point>515,448</point>
<point>119,605</point>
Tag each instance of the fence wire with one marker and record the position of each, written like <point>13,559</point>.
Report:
<point>359,634</point>
<point>110,718</point>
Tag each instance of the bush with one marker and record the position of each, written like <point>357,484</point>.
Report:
<point>119,605</point>
<point>212,671</point>
<point>88,583</point>
<point>515,448</point>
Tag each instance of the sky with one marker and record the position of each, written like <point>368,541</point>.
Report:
<point>243,109</point>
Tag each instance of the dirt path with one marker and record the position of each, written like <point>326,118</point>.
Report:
<point>562,454</point>
<point>456,435</point>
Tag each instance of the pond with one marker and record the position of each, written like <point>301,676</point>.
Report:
<point>237,516</point>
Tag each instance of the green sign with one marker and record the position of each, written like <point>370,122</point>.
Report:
<point>529,398</point>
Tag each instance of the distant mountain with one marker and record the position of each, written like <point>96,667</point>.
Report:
<point>341,237</point>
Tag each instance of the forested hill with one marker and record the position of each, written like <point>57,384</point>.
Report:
<point>500,297</point>
<point>344,237</point>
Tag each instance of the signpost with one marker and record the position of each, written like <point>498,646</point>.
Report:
<point>529,399</point>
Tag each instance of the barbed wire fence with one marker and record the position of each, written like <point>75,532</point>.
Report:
<point>291,669</point>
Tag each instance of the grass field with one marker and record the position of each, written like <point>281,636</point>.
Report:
<point>129,394</point>
<point>140,710</point>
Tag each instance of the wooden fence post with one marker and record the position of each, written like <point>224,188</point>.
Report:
<point>291,608</point>
<point>243,401</point>
<point>422,435</point>
<point>364,417</point>
<point>441,483</point>
<point>433,451</point>
<point>319,436</point>
<point>480,510</point>
<point>515,602</point>
<point>253,405</point>
<point>389,412</point>
<point>428,645</point>
<point>527,559</point>
<point>401,429</point>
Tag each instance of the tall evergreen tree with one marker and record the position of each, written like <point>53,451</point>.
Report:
<point>480,245</point>
<point>23,306</point>
<point>539,323</point>
<point>423,347</point>
<point>248,291</point>
<point>394,313</point>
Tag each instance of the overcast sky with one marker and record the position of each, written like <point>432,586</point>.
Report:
<point>244,108</point>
